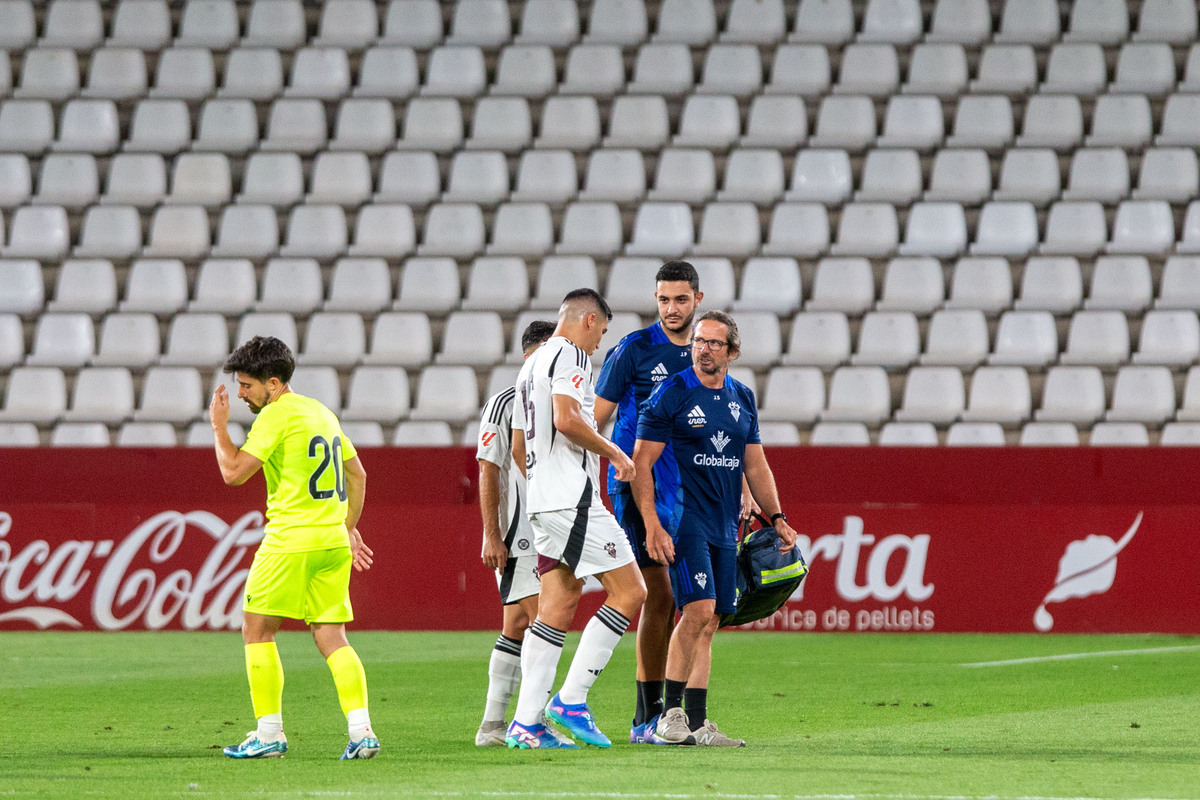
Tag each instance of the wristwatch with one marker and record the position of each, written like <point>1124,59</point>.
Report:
<point>778,515</point>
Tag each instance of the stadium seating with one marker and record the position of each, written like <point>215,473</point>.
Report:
<point>932,189</point>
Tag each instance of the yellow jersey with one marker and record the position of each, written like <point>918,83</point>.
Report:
<point>302,448</point>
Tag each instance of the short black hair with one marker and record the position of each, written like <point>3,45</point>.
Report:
<point>679,271</point>
<point>591,295</point>
<point>536,332</point>
<point>261,358</point>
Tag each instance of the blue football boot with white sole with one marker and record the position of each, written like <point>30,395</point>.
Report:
<point>577,721</point>
<point>536,737</point>
<point>254,747</point>
<point>366,747</point>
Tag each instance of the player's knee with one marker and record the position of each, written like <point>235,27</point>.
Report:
<point>515,626</point>
<point>697,615</point>
<point>628,599</point>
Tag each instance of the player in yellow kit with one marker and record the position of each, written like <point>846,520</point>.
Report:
<point>315,490</point>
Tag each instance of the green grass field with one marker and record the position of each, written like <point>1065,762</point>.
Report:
<point>825,716</point>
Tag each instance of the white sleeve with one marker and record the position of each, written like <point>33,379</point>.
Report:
<point>570,378</point>
<point>495,442</point>
<point>495,428</point>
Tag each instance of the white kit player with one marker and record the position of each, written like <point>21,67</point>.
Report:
<point>555,437</point>
<point>507,545</point>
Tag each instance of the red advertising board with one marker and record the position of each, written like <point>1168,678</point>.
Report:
<point>898,539</point>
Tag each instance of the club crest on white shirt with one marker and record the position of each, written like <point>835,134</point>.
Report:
<point>719,441</point>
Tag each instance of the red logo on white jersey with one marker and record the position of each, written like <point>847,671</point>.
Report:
<point>487,438</point>
<point>578,381</point>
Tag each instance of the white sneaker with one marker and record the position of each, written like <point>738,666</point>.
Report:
<point>711,736</point>
<point>491,734</point>
<point>673,727</point>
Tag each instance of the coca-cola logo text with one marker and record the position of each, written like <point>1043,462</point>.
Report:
<point>133,585</point>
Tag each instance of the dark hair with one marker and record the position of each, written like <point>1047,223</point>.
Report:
<point>592,296</point>
<point>536,332</point>
<point>679,271</point>
<point>261,358</point>
<point>732,338</point>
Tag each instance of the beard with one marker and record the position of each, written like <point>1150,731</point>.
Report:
<point>682,325</point>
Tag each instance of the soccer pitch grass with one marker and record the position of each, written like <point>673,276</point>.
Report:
<point>825,716</point>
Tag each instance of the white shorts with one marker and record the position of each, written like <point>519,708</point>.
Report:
<point>519,578</point>
<point>588,540</point>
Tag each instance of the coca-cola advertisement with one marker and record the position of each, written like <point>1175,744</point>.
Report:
<point>897,539</point>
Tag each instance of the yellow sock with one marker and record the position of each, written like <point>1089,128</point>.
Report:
<point>265,671</point>
<point>349,678</point>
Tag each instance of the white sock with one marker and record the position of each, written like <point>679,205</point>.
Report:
<point>539,663</point>
<point>601,635</point>
<point>270,726</point>
<point>359,722</point>
<point>504,676</point>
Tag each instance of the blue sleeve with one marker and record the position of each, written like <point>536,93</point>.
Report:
<point>655,416</point>
<point>752,435</point>
<point>616,374</point>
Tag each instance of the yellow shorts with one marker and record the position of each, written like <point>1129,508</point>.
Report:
<point>313,585</point>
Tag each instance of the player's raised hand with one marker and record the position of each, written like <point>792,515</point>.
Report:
<point>659,544</point>
<point>495,554</point>
<point>363,555</point>
<point>623,465</point>
<point>218,409</point>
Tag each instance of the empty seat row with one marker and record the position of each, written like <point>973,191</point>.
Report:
<point>364,433</point>
<point>756,175</point>
<point>408,433</point>
<point>128,434</point>
<point>997,394</point>
<point>256,68</point>
<point>251,230</point>
<point>983,434</point>
<point>935,395</point>
<point>231,125</point>
<point>846,285</point>
<point>660,229</point>
<point>822,339</point>
<point>178,394</point>
<point>438,433</point>
<point>133,339</point>
<point>989,120</point>
<point>153,24</point>
<point>573,123</point>
<point>281,23</point>
<point>961,338</point>
<point>962,175</point>
<point>257,73</point>
<point>872,229</point>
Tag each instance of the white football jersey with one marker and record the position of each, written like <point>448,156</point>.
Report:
<point>495,446</point>
<point>559,473</point>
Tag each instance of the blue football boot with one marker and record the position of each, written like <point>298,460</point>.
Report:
<point>536,737</point>
<point>577,721</point>
<point>254,747</point>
